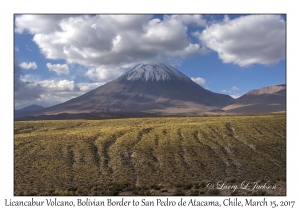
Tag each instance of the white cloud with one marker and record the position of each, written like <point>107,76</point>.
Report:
<point>103,75</point>
<point>62,85</point>
<point>237,95</point>
<point>18,83</point>
<point>110,41</point>
<point>28,92</point>
<point>45,99</point>
<point>58,68</point>
<point>247,40</point>
<point>50,92</point>
<point>232,92</point>
<point>28,48</point>
<point>30,78</point>
<point>85,87</point>
<point>234,88</point>
<point>199,80</point>
<point>67,86</point>
<point>191,19</point>
<point>30,65</point>
<point>38,23</point>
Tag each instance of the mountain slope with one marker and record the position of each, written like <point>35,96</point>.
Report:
<point>30,108</point>
<point>266,99</point>
<point>151,88</point>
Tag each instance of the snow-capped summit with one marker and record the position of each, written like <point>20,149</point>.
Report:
<point>154,72</point>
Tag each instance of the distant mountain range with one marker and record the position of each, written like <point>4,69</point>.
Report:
<point>266,99</point>
<point>30,108</point>
<point>159,89</point>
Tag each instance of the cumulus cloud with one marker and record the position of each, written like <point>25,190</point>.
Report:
<point>25,90</point>
<point>30,65</point>
<point>29,92</point>
<point>232,92</point>
<point>191,19</point>
<point>199,80</point>
<point>104,46</point>
<point>85,87</point>
<point>110,41</point>
<point>233,89</point>
<point>45,100</point>
<point>50,92</point>
<point>57,87</point>
<point>18,83</point>
<point>58,68</point>
<point>103,75</point>
<point>247,40</point>
<point>38,23</point>
<point>62,85</point>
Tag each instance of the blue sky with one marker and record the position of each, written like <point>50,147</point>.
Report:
<point>59,57</point>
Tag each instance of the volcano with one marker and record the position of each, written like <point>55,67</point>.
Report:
<point>147,88</point>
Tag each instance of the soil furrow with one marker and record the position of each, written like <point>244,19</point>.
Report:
<point>71,161</point>
<point>105,152</point>
<point>96,156</point>
<point>214,150</point>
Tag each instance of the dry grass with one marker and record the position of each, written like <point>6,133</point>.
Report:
<point>146,156</point>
